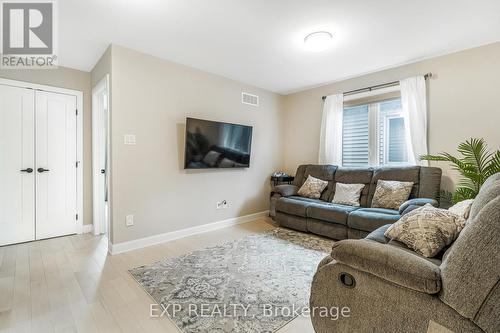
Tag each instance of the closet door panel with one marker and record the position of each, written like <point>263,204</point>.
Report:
<point>17,184</point>
<point>55,164</point>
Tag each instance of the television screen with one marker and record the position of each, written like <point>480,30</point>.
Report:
<point>211,144</point>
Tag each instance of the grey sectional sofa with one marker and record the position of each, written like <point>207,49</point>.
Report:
<point>339,221</point>
<point>390,288</point>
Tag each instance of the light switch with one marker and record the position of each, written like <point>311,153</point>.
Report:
<point>129,139</point>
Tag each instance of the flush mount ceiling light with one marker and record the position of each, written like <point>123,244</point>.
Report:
<point>318,41</point>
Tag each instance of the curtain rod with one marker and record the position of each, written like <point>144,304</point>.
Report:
<point>378,86</point>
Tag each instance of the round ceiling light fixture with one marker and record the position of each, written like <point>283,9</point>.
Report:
<point>318,41</point>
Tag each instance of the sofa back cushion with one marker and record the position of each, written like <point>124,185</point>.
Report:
<point>299,175</point>
<point>471,266</point>
<point>312,187</point>
<point>489,191</point>
<point>353,176</point>
<point>401,174</point>
<point>391,194</point>
<point>429,182</point>
<point>323,172</point>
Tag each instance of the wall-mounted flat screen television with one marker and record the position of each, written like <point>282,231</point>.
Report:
<point>213,144</point>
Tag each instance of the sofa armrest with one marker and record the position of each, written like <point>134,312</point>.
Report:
<point>389,263</point>
<point>412,204</point>
<point>286,190</point>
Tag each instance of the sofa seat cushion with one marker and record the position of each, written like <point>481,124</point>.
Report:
<point>294,205</point>
<point>330,212</point>
<point>369,219</point>
<point>310,200</point>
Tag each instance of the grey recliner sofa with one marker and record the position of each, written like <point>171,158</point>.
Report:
<point>390,288</point>
<point>340,221</point>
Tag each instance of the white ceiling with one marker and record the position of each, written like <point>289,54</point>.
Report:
<point>260,42</point>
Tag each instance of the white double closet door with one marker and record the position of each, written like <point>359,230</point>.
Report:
<point>38,170</point>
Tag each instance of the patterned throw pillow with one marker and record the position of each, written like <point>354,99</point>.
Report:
<point>391,194</point>
<point>312,187</point>
<point>347,194</point>
<point>427,230</point>
<point>462,208</point>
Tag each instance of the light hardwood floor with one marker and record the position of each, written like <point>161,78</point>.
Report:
<point>71,284</point>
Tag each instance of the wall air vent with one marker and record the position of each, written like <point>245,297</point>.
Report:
<point>249,99</point>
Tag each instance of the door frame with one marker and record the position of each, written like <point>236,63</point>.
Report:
<point>79,137</point>
<point>99,227</point>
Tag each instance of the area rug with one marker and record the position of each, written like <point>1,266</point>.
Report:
<point>254,284</point>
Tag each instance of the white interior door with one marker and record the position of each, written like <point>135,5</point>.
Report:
<point>102,160</point>
<point>100,144</point>
<point>17,162</point>
<point>56,156</point>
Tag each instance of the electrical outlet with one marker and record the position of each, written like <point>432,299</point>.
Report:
<point>129,220</point>
<point>221,204</point>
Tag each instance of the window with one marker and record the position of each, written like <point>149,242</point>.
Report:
<point>355,136</point>
<point>374,134</point>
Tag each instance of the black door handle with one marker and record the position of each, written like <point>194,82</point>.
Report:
<point>42,170</point>
<point>29,170</point>
<point>103,171</point>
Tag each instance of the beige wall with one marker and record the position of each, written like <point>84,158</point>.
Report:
<point>151,98</point>
<point>464,102</point>
<point>101,68</point>
<point>76,80</point>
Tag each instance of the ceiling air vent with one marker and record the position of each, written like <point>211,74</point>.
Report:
<point>249,99</point>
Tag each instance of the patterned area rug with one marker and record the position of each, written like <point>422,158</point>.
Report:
<point>254,284</point>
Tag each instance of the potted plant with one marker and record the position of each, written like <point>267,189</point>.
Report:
<point>475,165</point>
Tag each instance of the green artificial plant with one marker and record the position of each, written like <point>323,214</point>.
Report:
<point>475,165</point>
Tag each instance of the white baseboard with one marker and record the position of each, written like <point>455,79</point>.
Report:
<point>170,236</point>
<point>87,228</point>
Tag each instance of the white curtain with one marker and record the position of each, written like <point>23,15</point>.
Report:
<point>330,141</point>
<point>414,103</point>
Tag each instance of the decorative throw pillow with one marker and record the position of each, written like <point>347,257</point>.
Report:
<point>347,194</point>
<point>427,230</point>
<point>391,194</point>
<point>462,208</point>
<point>312,187</point>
